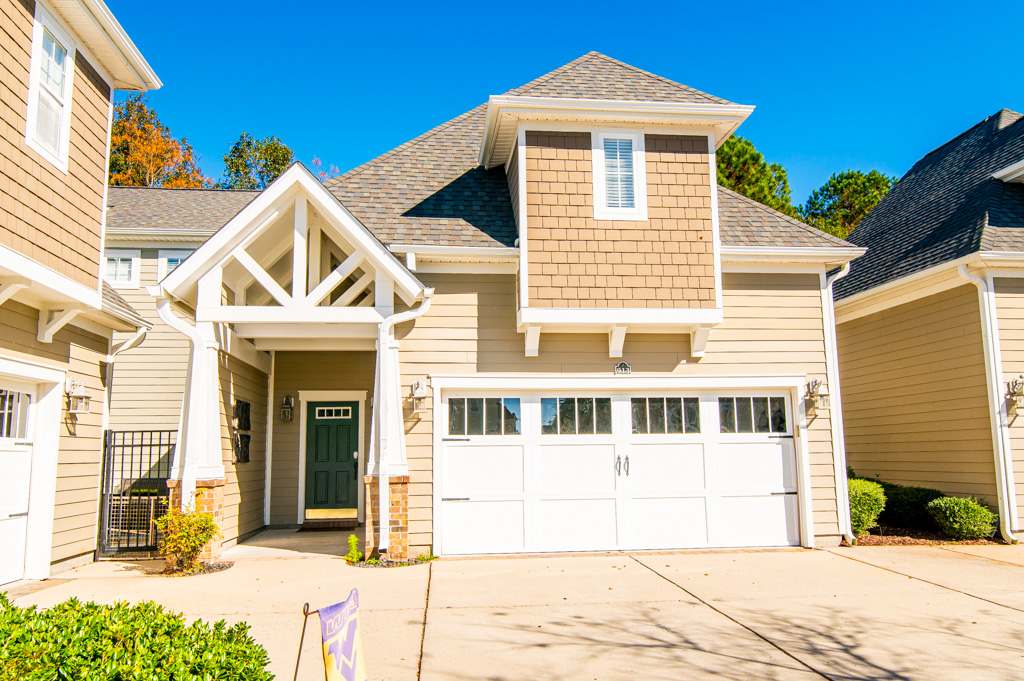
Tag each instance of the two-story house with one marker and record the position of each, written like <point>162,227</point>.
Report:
<point>540,326</point>
<point>61,62</point>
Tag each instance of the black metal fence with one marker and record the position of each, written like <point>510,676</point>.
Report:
<point>136,465</point>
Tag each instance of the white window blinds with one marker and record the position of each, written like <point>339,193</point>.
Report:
<point>51,104</point>
<point>618,172</point>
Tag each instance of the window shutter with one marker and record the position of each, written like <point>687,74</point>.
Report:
<point>618,172</point>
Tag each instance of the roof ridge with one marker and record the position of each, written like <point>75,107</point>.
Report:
<point>788,218</point>
<point>668,81</point>
<point>543,78</point>
<point>188,189</point>
<point>422,137</point>
<point>964,133</point>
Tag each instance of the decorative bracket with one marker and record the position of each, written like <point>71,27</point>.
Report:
<point>616,339</point>
<point>52,321</point>
<point>532,341</point>
<point>10,286</point>
<point>698,341</point>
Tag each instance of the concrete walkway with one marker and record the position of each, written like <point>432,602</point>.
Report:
<point>859,613</point>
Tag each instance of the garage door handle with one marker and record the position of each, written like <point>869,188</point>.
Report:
<point>618,465</point>
<point>627,465</point>
<point>454,498</point>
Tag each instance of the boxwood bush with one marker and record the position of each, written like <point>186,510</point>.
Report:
<point>962,518</point>
<point>908,506</point>
<point>867,499</point>
<point>76,640</point>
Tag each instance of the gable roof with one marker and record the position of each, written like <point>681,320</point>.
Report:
<point>946,206</point>
<point>145,209</point>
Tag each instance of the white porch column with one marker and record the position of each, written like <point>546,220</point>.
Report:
<point>387,454</point>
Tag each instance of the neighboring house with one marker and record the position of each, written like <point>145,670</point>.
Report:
<point>62,60</point>
<point>540,326</point>
<point>931,324</point>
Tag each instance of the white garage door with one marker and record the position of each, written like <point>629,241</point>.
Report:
<point>589,471</point>
<point>15,475</point>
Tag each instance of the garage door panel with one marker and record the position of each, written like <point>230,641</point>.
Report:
<point>769,520</point>
<point>484,470</point>
<point>482,527</point>
<point>665,469</point>
<point>665,523</point>
<point>577,470</point>
<point>576,525</point>
<point>756,467</point>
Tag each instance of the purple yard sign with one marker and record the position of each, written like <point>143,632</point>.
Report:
<point>343,650</point>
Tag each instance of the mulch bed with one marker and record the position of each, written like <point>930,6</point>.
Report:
<point>903,536</point>
<point>209,567</point>
<point>388,563</point>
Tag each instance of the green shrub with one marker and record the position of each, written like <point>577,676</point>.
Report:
<point>183,536</point>
<point>908,506</point>
<point>867,499</point>
<point>354,555</point>
<point>75,640</point>
<point>962,518</point>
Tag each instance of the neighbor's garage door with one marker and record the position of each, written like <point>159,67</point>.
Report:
<point>583,472</point>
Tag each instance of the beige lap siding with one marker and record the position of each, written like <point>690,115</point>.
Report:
<point>773,325</point>
<point>915,397</point>
<point>46,215</point>
<point>295,371</point>
<point>576,261</point>
<point>149,380</point>
<point>80,453</point>
<point>1010,306</point>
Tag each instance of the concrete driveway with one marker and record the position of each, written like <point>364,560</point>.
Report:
<point>861,613</point>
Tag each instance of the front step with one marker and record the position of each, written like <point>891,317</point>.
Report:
<point>330,524</point>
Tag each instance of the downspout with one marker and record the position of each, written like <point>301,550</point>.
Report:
<point>997,405</point>
<point>385,336</point>
<point>134,341</point>
<point>836,404</point>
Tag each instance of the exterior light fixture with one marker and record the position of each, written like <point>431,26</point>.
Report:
<point>1015,395</point>
<point>78,401</point>
<point>419,392</point>
<point>287,408</point>
<point>815,398</point>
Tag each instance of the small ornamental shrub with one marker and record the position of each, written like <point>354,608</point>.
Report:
<point>76,640</point>
<point>962,518</point>
<point>183,536</point>
<point>867,499</point>
<point>354,555</point>
<point>908,506</point>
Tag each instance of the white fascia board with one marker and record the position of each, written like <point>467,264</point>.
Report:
<point>475,252</point>
<point>832,255</point>
<point>726,117</point>
<point>499,381</point>
<point>190,236</point>
<point>1011,173</point>
<point>1007,259</point>
<point>608,317</point>
<point>288,315</point>
<point>47,284</point>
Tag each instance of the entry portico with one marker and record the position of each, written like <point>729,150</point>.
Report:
<point>295,272</point>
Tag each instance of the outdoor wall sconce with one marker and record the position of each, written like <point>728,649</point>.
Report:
<point>287,408</point>
<point>78,401</point>
<point>815,398</point>
<point>1015,395</point>
<point>419,392</point>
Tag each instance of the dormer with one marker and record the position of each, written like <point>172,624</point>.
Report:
<point>616,213</point>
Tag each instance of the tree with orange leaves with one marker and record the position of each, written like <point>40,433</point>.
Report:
<point>143,153</point>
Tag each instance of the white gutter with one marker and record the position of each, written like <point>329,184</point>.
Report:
<point>997,405</point>
<point>268,450</point>
<point>134,341</point>
<point>836,403</point>
<point>468,251</point>
<point>385,343</point>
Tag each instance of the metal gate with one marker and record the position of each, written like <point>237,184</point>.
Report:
<point>136,465</point>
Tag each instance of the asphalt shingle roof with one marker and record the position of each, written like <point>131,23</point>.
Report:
<point>203,210</point>
<point>113,304</point>
<point>947,206</point>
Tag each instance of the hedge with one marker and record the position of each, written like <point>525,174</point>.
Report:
<point>76,640</point>
<point>908,506</point>
<point>962,518</point>
<point>867,499</point>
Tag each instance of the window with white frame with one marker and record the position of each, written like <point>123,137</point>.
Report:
<point>575,415</point>
<point>752,415</point>
<point>168,261</point>
<point>484,416</point>
<point>48,124</point>
<point>121,268</point>
<point>14,411</point>
<point>620,175</point>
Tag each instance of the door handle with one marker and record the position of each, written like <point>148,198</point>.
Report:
<point>618,465</point>
<point>627,465</point>
<point>355,455</point>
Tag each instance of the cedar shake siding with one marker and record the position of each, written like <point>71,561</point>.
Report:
<point>915,400</point>
<point>576,261</point>
<point>773,325</point>
<point>1010,312</point>
<point>53,218</point>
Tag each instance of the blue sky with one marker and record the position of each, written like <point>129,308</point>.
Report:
<point>836,85</point>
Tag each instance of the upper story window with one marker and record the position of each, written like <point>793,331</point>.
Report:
<point>620,175</point>
<point>168,261</point>
<point>122,267</point>
<point>48,124</point>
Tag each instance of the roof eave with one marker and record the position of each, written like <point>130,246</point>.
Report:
<point>828,255</point>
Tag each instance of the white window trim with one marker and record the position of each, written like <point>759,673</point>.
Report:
<point>136,256</point>
<point>601,210</point>
<point>164,254</point>
<point>44,20</point>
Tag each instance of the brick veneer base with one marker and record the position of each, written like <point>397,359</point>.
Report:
<point>398,543</point>
<point>209,499</point>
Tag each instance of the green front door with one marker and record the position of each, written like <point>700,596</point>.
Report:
<point>332,465</point>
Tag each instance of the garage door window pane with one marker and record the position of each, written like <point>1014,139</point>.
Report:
<point>585,412</point>
<point>691,406</point>
<point>492,416</point>
<point>656,414</point>
<point>549,416</point>
<point>475,416</point>
<point>603,410</point>
<point>457,416</point>
<point>778,405</point>
<point>727,414</point>
<point>567,415</point>
<point>761,422</point>
<point>674,414</point>
<point>512,415</point>
<point>639,410</point>
<point>744,415</point>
